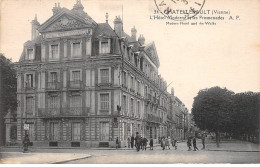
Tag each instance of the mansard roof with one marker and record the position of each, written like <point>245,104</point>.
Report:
<point>151,52</point>
<point>105,30</point>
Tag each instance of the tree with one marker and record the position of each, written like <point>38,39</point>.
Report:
<point>7,91</point>
<point>212,110</point>
<point>246,114</point>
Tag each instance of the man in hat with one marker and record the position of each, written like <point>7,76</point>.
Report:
<point>138,141</point>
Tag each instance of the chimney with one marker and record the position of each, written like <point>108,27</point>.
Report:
<point>141,39</point>
<point>35,26</point>
<point>133,33</point>
<point>118,26</point>
<point>106,17</point>
<point>56,8</point>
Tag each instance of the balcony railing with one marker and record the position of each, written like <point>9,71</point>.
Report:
<point>28,87</point>
<point>153,118</point>
<point>53,86</point>
<point>63,112</point>
<point>104,112</point>
<point>75,84</point>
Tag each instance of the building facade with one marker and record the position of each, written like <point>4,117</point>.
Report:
<point>83,84</point>
<point>178,118</point>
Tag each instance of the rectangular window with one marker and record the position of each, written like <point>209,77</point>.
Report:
<point>104,101</point>
<point>29,54</point>
<point>75,131</point>
<point>132,106</point>
<point>76,49</point>
<point>124,107</point>
<point>53,77</point>
<point>138,87</point>
<point>105,47</point>
<point>138,109</point>
<point>29,105</point>
<point>124,78</point>
<point>54,135</point>
<point>29,80</point>
<point>75,75</point>
<point>75,101</point>
<point>53,102</point>
<point>54,52</point>
<point>145,91</point>
<point>104,75</point>
<point>132,82</point>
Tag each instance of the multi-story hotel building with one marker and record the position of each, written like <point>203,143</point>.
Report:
<point>82,83</point>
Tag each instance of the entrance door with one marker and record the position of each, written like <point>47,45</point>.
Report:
<point>75,131</point>
<point>104,129</point>
<point>54,131</point>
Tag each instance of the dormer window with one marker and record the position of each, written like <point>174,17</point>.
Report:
<point>105,46</point>
<point>29,55</point>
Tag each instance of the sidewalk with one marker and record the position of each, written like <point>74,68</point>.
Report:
<point>39,158</point>
<point>18,148</point>
<point>233,146</point>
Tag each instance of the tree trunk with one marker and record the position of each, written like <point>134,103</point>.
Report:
<point>217,139</point>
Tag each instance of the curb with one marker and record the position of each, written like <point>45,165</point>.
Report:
<point>233,151</point>
<point>61,162</point>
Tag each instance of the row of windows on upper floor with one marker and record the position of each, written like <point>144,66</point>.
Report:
<point>104,77</point>
<point>103,46</point>
<point>53,50</point>
<point>130,105</point>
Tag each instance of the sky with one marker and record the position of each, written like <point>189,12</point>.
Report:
<point>192,57</point>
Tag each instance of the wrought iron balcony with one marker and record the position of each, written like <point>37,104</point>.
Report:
<point>75,84</point>
<point>104,112</point>
<point>63,112</point>
<point>104,84</point>
<point>53,86</point>
<point>29,87</point>
<point>75,111</point>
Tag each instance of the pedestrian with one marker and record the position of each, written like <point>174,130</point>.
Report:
<point>132,141</point>
<point>163,143</point>
<point>135,140</point>
<point>151,143</point>
<point>144,143</point>
<point>138,141</point>
<point>189,143</point>
<point>203,141</point>
<point>26,143</point>
<point>141,143</point>
<point>129,141</point>
<point>175,144</point>
<point>167,143</point>
<point>117,143</point>
<point>194,144</point>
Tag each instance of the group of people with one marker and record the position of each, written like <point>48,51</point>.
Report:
<point>194,143</point>
<point>139,142</point>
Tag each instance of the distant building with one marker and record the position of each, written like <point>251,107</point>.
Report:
<point>82,84</point>
<point>179,126</point>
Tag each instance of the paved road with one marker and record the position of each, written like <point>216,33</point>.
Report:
<point>169,156</point>
<point>229,152</point>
